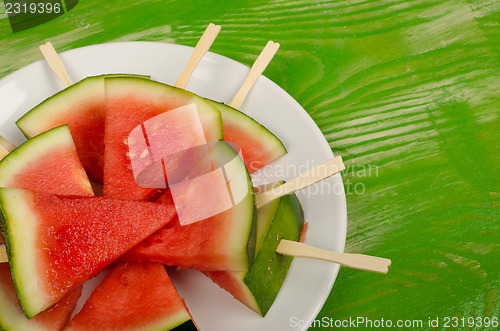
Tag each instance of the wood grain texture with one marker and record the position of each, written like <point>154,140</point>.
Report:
<point>405,91</point>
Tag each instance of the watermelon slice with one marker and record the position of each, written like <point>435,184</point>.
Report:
<point>81,106</point>
<point>132,296</point>
<point>220,242</point>
<point>47,162</point>
<point>55,243</point>
<point>259,146</point>
<point>130,103</point>
<point>13,318</point>
<point>258,288</point>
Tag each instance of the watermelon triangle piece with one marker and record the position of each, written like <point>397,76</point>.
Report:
<point>55,243</point>
<point>259,146</point>
<point>130,103</point>
<point>132,296</point>
<point>12,316</point>
<point>47,162</point>
<point>220,242</point>
<point>81,106</point>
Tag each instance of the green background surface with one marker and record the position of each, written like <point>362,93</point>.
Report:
<point>406,91</point>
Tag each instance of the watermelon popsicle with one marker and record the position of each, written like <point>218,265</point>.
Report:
<point>22,168</point>
<point>186,246</point>
<point>127,286</point>
<point>279,227</point>
<point>259,146</point>
<point>279,217</point>
<point>131,102</point>
<point>60,167</point>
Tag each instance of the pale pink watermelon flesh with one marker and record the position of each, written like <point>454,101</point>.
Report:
<point>57,242</point>
<point>221,242</point>
<point>131,102</point>
<point>259,146</point>
<point>142,298</point>
<point>12,316</point>
<point>81,106</point>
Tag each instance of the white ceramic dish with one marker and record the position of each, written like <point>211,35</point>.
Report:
<point>308,282</point>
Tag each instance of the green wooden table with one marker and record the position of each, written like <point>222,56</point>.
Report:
<point>406,91</point>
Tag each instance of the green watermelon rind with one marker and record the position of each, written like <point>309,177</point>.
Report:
<point>265,215</point>
<point>10,316</point>
<point>287,224</point>
<point>170,323</point>
<point>34,121</point>
<point>210,116</point>
<point>241,234</point>
<point>259,287</point>
<point>263,135</point>
<point>14,204</point>
<point>34,148</point>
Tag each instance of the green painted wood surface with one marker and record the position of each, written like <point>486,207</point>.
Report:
<point>406,91</point>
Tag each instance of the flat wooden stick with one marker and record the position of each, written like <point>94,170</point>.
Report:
<point>201,49</point>
<point>3,152</point>
<point>257,69</point>
<point>356,261</point>
<point>6,145</point>
<point>3,254</point>
<point>305,179</point>
<point>55,63</point>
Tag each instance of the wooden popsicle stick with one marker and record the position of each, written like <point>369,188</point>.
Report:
<point>200,50</point>
<point>257,69</point>
<point>6,145</point>
<point>55,63</point>
<point>305,179</point>
<point>356,261</point>
<point>3,254</point>
<point>3,152</point>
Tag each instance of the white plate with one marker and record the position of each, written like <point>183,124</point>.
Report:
<point>308,282</point>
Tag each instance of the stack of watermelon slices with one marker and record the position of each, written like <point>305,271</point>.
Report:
<point>223,243</point>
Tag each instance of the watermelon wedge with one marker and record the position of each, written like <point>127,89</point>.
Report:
<point>12,316</point>
<point>55,243</point>
<point>48,162</point>
<point>81,106</point>
<point>130,103</point>
<point>132,296</point>
<point>259,146</point>
<point>259,287</point>
<point>221,242</point>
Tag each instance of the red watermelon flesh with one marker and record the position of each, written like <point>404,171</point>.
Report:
<point>143,298</point>
<point>204,245</point>
<point>220,242</point>
<point>81,106</point>
<point>131,102</point>
<point>47,162</point>
<point>12,316</point>
<point>259,146</point>
<point>57,242</point>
